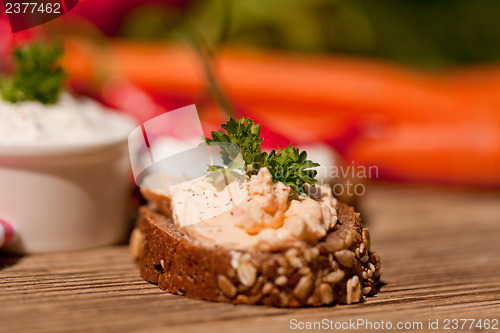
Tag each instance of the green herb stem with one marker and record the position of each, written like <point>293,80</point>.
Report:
<point>289,165</point>
<point>38,75</point>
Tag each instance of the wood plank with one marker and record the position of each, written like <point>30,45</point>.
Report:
<point>440,251</point>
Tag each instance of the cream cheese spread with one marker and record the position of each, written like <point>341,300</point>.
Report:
<point>71,120</point>
<point>270,218</point>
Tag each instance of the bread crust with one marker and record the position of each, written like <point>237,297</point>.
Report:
<point>341,268</point>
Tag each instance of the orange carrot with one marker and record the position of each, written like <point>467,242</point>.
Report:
<point>325,84</point>
<point>412,125</point>
<point>468,154</point>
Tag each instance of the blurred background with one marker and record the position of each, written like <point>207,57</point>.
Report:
<point>411,87</point>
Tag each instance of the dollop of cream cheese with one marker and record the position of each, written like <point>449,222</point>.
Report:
<point>70,120</point>
<point>271,218</point>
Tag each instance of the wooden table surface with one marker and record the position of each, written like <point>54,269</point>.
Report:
<point>440,251</point>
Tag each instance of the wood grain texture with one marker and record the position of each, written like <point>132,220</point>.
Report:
<point>440,251</point>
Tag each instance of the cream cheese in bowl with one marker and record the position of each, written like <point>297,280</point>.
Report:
<point>64,172</point>
<point>71,121</point>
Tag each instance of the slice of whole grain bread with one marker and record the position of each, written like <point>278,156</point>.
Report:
<point>341,268</point>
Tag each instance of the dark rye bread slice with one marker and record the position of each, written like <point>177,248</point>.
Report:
<point>341,268</point>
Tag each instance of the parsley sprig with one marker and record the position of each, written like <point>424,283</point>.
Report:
<point>244,133</point>
<point>289,165</point>
<point>38,75</point>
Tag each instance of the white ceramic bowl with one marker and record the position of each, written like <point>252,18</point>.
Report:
<point>63,197</point>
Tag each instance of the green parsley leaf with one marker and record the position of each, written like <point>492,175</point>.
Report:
<point>38,75</point>
<point>289,165</point>
<point>246,134</point>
